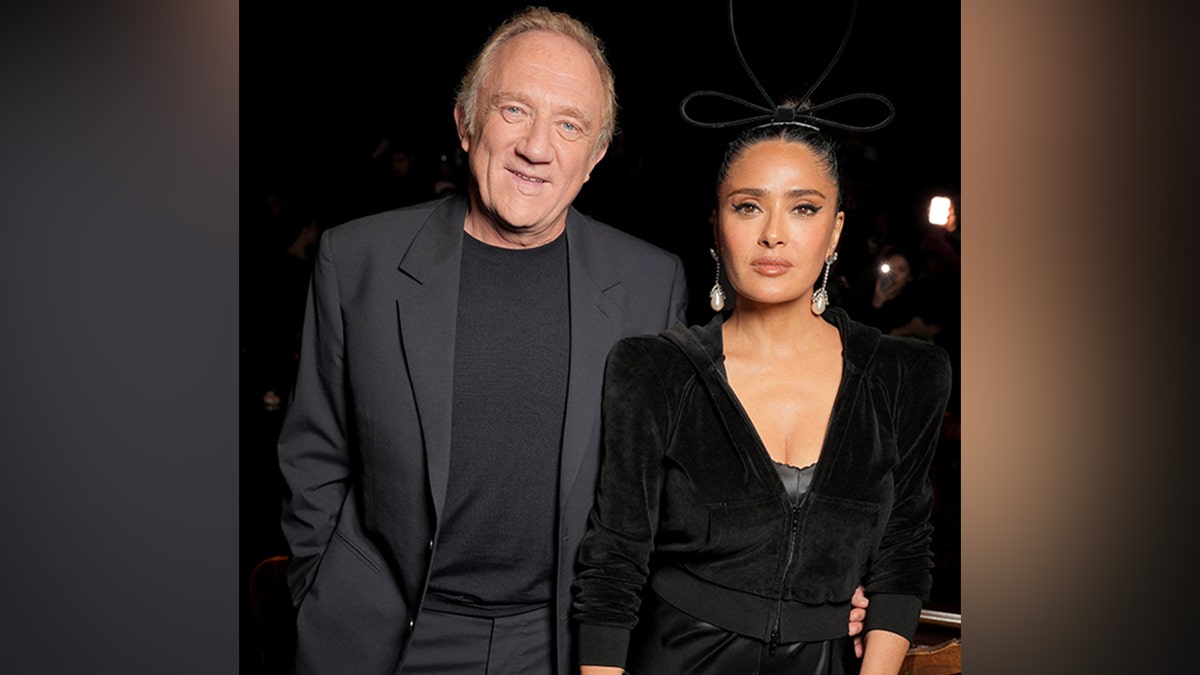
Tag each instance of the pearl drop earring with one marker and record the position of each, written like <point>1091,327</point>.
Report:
<point>716,296</point>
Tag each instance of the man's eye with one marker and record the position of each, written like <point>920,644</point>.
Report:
<point>570,130</point>
<point>512,112</point>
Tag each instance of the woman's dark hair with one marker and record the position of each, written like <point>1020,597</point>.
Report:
<point>822,145</point>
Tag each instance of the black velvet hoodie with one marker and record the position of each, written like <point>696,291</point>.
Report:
<point>689,500</point>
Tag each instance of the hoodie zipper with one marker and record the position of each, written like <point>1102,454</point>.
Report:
<point>794,528</point>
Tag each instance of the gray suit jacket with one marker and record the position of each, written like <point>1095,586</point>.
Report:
<point>365,446</point>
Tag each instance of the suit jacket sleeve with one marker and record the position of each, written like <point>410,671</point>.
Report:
<point>679,297</point>
<point>314,454</point>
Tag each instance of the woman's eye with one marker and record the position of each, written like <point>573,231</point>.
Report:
<point>808,209</point>
<point>745,207</point>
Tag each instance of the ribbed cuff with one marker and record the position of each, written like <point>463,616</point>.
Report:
<point>603,645</point>
<point>894,613</point>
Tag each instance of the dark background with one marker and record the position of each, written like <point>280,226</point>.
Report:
<point>322,85</point>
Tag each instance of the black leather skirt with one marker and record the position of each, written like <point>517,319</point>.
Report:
<point>668,641</point>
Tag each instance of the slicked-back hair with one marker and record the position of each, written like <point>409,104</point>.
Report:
<point>821,144</point>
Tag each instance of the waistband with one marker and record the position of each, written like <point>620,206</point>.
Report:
<point>748,614</point>
<point>443,605</point>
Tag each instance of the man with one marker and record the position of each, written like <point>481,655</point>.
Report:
<point>442,445</point>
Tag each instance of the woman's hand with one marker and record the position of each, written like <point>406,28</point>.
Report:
<point>858,614</point>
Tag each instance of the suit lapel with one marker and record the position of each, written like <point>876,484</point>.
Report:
<point>427,307</point>
<point>595,325</point>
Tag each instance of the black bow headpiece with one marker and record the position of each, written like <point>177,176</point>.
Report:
<point>797,113</point>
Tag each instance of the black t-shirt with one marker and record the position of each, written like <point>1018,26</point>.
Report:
<point>495,552</point>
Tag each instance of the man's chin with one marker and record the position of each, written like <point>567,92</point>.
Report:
<point>527,221</point>
<point>517,228</point>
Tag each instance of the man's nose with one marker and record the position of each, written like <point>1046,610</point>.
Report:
<point>536,145</point>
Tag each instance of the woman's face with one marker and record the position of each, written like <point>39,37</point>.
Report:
<point>777,221</point>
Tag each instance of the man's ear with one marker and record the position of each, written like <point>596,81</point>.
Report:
<point>596,157</point>
<point>460,123</point>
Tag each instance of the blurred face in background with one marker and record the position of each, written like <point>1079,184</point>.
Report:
<point>898,269</point>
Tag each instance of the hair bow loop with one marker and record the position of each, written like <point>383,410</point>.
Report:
<point>797,112</point>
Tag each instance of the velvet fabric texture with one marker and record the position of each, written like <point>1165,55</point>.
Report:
<point>689,500</point>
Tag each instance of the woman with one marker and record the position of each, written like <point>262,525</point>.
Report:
<point>893,300</point>
<point>758,468</point>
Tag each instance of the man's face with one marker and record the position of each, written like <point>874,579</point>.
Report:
<point>539,114</point>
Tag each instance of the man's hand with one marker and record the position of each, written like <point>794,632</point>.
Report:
<point>858,614</point>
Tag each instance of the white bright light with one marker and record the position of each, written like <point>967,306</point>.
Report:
<point>939,210</point>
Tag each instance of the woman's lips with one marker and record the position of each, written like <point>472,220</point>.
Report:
<point>770,266</point>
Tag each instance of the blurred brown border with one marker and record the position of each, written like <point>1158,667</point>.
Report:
<point>1079,181</point>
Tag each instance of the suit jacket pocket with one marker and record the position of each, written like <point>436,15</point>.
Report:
<point>350,579</point>
<point>353,618</point>
<point>367,559</point>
